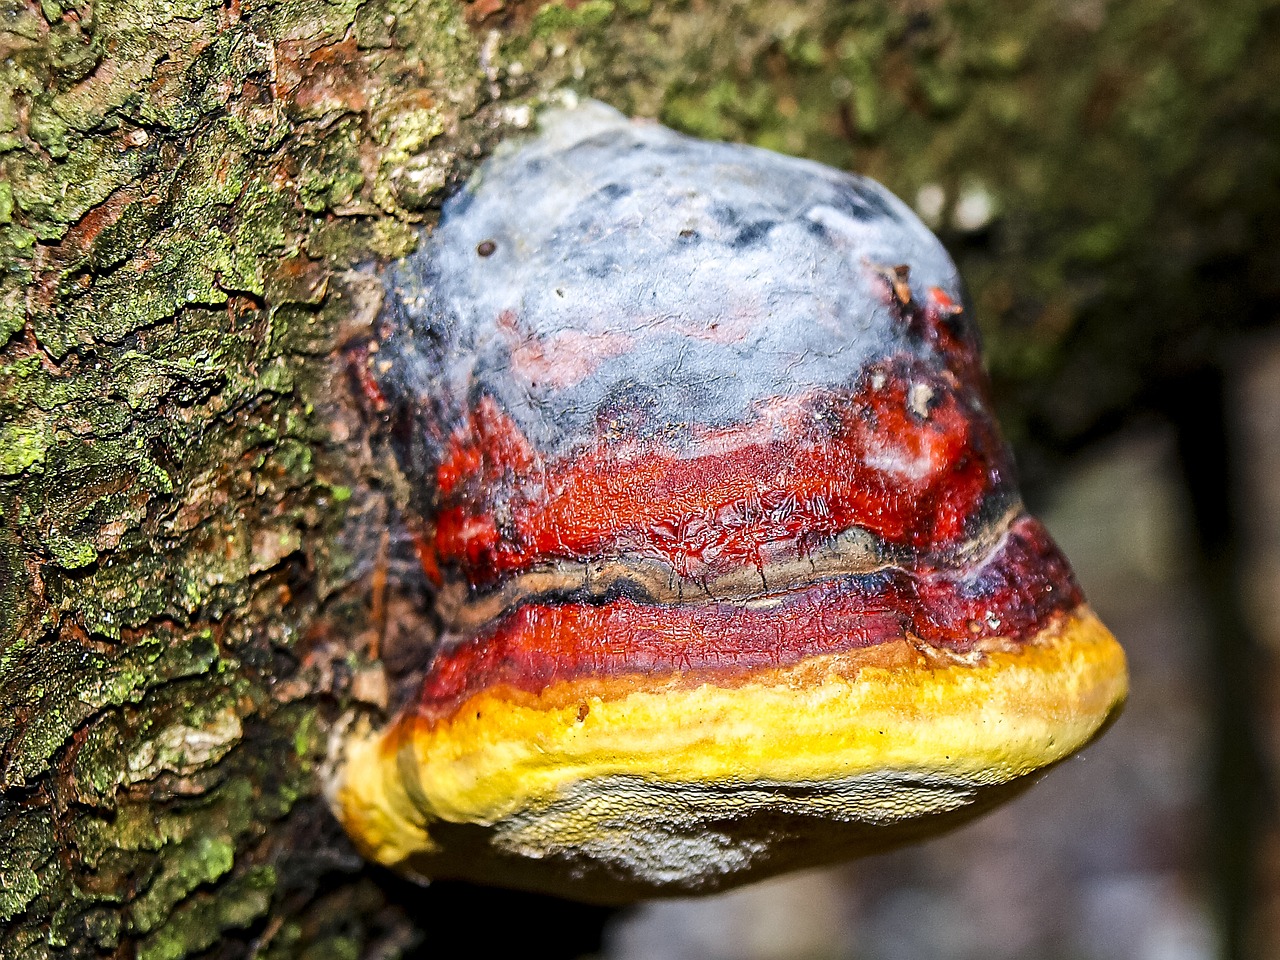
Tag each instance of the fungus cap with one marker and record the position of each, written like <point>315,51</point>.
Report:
<point>730,560</point>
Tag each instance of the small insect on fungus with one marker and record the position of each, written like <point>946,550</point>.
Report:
<point>731,564</point>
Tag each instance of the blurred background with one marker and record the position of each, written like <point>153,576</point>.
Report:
<point>1107,176</point>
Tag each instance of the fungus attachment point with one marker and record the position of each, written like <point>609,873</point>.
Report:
<point>733,571</point>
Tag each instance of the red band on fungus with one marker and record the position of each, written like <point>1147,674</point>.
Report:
<point>1013,595</point>
<point>903,457</point>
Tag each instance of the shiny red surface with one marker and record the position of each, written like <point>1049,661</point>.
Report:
<point>902,455</point>
<point>1011,594</point>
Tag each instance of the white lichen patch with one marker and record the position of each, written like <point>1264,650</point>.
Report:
<point>184,749</point>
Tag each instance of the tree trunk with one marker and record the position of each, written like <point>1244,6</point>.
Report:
<point>193,199</point>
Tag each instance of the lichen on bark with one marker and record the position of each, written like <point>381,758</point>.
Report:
<point>170,476</point>
<point>193,198</point>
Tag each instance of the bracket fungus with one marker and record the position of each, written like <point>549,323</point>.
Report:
<point>731,565</point>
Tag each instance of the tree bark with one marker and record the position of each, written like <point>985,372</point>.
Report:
<point>194,196</point>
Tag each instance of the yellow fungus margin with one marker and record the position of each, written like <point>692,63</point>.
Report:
<point>984,719</point>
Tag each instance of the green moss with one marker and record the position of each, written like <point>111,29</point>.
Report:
<point>28,845</point>
<point>19,239</point>
<point>392,239</point>
<point>23,445</point>
<point>70,554</point>
<point>52,196</point>
<point>556,17</point>
<point>331,176</point>
<point>130,15</point>
<point>18,890</point>
<point>405,132</point>
<point>186,866</point>
<point>199,922</point>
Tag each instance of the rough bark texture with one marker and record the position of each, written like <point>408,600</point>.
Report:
<point>190,195</point>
